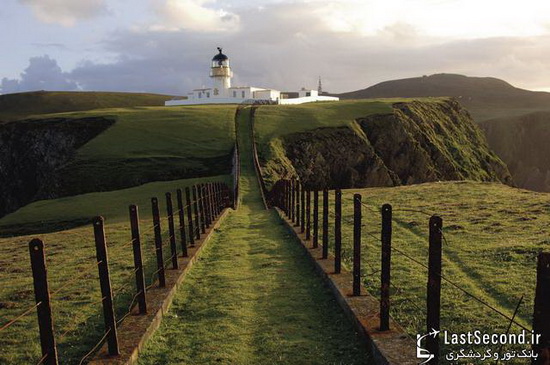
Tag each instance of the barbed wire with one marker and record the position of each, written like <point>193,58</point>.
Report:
<point>74,280</point>
<point>71,326</point>
<point>128,281</point>
<point>44,357</point>
<point>19,317</point>
<point>132,302</point>
<point>95,347</point>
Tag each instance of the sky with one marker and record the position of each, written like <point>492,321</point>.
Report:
<point>165,46</point>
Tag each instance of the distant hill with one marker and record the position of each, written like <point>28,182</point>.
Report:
<point>485,97</point>
<point>516,121</point>
<point>23,105</point>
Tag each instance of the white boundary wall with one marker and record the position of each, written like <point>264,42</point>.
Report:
<point>293,101</point>
<point>307,99</point>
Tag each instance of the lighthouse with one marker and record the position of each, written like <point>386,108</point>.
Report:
<point>222,92</point>
<point>221,74</point>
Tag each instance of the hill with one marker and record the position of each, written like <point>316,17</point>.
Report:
<point>111,149</point>
<point>485,97</point>
<point>374,143</point>
<point>22,105</point>
<point>516,121</point>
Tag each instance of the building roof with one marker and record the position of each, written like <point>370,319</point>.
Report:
<point>220,56</point>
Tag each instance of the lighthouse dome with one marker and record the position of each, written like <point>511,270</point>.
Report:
<point>220,56</point>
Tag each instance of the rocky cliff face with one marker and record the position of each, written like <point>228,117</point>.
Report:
<point>418,142</point>
<point>522,142</point>
<point>337,157</point>
<point>32,152</point>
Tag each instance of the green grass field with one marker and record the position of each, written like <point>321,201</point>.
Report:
<point>70,254</point>
<point>28,104</point>
<point>492,235</point>
<point>58,214</point>
<point>152,144</point>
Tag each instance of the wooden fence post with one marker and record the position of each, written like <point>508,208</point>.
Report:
<point>338,231</point>
<point>214,200</point>
<point>385,274</point>
<point>209,209</point>
<point>138,260</point>
<point>285,197</point>
<point>315,219</point>
<point>158,242</point>
<point>308,215</point>
<point>541,315</point>
<point>357,244</point>
<point>196,232</point>
<point>42,297</point>
<point>302,209</point>
<point>297,222</point>
<point>190,216</point>
<point>202,215</point>
<point>289,199</point>
<point>209,205</point>
<point>206,198</point>
<point>282,197</point>
<point>292,201</point>
<point>219,205</point>
<point>171,230</point>
<point>325,224</point>
<point>181,215</point>
<point>105,284</point>
<point>434,287</point>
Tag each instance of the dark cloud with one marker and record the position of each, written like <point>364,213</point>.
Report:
<point>43,73</point>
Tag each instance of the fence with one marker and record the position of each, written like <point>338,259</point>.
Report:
<point>236,166</point>
<point>295,202</point>
<point>203,205</point>
<point>256,160</point>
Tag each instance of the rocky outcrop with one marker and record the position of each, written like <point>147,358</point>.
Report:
<point>336,157</point>
<point>32,152</point>
<point>418,142</point>
<point>423,142</point>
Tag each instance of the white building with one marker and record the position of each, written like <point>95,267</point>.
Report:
<point>222,92</point>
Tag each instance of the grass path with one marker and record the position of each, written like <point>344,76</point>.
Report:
<point>253,298</point>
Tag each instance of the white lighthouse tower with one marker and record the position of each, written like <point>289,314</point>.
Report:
<point>221,74</point>
<point>222,92</point>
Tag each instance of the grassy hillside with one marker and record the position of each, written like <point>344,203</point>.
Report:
<point>71,253</point>
<point>68,212</point>
<point>144,144</point>
<point>485,97</point>
<point>23,105</point>
<point>380,142</point>
<point>152,144</point>
<point>492,235</point>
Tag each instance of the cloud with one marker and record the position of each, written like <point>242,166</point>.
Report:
<point>43,73</point>
<point>286,45</point>
<point>196,15</point>
<point>66,12</point>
